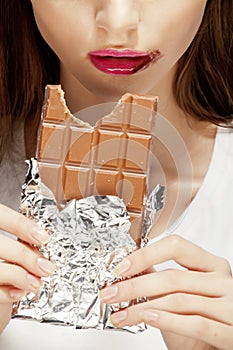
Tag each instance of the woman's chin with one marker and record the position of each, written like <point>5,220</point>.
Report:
<point>111,88</point>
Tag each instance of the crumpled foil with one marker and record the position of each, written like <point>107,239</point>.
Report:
<point>88,238</point>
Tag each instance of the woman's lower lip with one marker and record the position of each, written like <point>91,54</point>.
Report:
<point>122,64</point>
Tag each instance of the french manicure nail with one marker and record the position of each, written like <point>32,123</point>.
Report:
<point>108,293</point>
<point>122,267</point>
<point>16,294</point>
<point>39,235</point>
<point>150,316</point>
<point>118,317</point>
<point>46,266</point>
<point>34,282</point>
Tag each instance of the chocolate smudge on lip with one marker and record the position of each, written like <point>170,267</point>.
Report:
<point>153,56</point>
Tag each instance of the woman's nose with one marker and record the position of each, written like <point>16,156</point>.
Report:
<point>118,16</point>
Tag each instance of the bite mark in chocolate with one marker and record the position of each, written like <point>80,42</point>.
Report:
<point>77,160</point>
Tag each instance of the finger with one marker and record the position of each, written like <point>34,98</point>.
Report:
<point>217,309</point>
<point>176,248</point>
<point>196,327</point>
<point>22,227</point>
<point>166,282</point>
<point>17,277</point>
<point>18,253</point>
<point>10,295</point>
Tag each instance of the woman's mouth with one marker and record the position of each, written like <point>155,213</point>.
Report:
<point>122,62</point>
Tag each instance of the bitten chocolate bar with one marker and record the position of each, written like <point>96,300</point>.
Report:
<point>77,160</point>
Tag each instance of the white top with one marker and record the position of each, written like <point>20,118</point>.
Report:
<point>207,222</point>
<point>208,219</point>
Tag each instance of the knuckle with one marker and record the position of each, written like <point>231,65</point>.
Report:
<point>20,223</point>
<point>13,276</point>
<point>131,287</point>
<point>225,266</point>
<point>175,243</point>
<point>143,255</point>
<point>179,300</point>
<point>173,278</point>
<point>24,252</point>
<point>16,275</point>
<point>26,256</point>
<point>4,296</point>
<point>202,328</point>
<point>199,327</point>
<point>228,285</point>
<point>230,312</point>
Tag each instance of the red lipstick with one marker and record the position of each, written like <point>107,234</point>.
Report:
<point>122,62</point>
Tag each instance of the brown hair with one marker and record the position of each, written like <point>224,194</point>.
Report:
<point>27,64</point>
<point>204,81</point>
<point>203,85</point>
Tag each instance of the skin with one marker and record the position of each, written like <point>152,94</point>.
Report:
<point>117,24</point>
<point>206,284</point>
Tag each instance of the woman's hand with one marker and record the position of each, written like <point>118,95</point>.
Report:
<point>192,307</point>
<point>21,266</point>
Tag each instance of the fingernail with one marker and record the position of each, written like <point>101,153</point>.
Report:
<point>122,267</point>
<point>39,235</point>
<point>46,266</point>
<point>34,282</point>
<point>150,316</point>
<point>16,294</point>
<point>108,293</point>
<point>118,317</point>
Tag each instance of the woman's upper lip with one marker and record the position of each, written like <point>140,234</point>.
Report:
<point>121,53</point>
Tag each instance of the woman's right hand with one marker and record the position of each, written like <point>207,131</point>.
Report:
<point>21,266</point>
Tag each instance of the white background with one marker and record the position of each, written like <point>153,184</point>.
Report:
<point>30,335</point>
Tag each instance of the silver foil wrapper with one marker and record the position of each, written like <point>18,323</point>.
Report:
<point>88,238</point>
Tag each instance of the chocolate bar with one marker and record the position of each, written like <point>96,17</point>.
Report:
<point>77,160</point>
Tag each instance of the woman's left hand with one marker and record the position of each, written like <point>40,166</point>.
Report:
<point>192,307</point>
